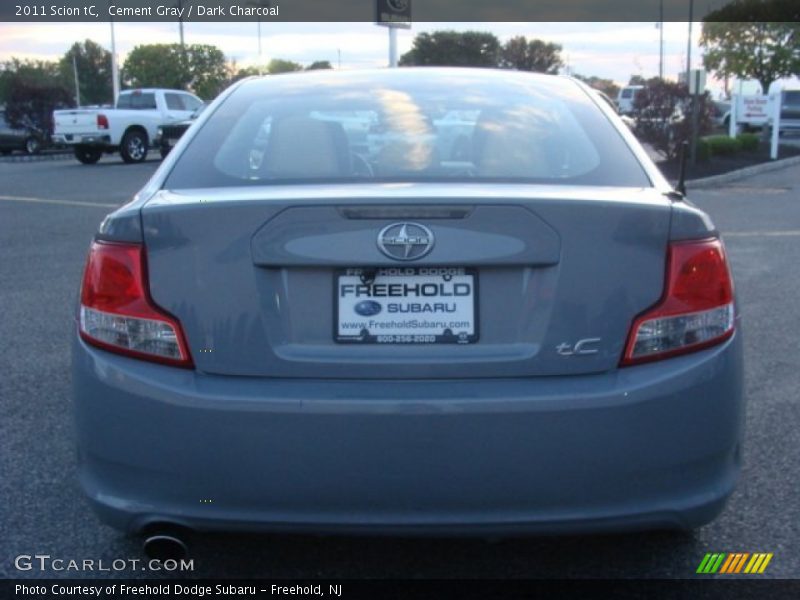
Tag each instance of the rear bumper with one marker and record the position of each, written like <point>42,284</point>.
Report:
<point>82,139</point>
<point>650,446</point>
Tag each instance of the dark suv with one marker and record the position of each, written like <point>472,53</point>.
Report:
<point>26,139</point>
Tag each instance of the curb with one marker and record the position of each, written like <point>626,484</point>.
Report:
<point>742,173</point>
<point>18,158</point>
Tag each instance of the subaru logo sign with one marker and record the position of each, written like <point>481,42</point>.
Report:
<point>405,241</point>
<point>367,308</point>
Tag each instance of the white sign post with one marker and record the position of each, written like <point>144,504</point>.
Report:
<point>776,125</point>
<point>733,123</point>
<point>393,14</point>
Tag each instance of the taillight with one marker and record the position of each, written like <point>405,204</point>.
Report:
<point>117,313</point>
<point>696,310</point>
<point>102,121</point>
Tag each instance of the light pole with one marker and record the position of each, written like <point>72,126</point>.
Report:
<point>75,75</point>
<point>114,67</point>
<point>259,4</point>
<point>661,39</point>
<point>180,25</point>
<point>689,43</point>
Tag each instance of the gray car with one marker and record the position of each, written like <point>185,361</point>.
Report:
<point>285,331</point>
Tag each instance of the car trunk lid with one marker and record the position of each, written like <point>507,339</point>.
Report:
<point>559,273</point>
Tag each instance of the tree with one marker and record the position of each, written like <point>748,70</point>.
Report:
<point>531,55</point>
<point>93,64</point>
<point>319,64</point>
<point>34,72</point>
<point>30,103</point>
<point>662,113</point>
<point>452,48</point>
<point>739,41</point>
<point>201,68</point>
<point>208,75</point>
<point>280,65</point>
<point>607,86</point>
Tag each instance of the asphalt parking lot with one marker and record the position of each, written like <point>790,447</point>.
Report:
<point>48,213</point>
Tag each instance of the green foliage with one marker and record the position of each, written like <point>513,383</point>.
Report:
<point>32,72</point>
<point>662,110</point>
<point>31,90</point>
<point>280,65</point>
<point>319,64</point>
<point>722,145</point>
<point>453,48</point>
<point>235,74</point>
<point>531,55</point>
<point>482,49</point>
<point>703,150</point>
<point>742,40</point>
<point>201,68</point>
<point>30,103</point>
<point>608,86</point>
<point>748,142</point>
<point>93,64</point>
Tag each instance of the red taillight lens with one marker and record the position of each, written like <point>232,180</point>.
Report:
<point>102,122</point>
<point>696,310</point>
<point>117,313</point>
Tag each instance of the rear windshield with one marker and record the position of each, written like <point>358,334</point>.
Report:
<point>137,100</point>
<point>407,125</point>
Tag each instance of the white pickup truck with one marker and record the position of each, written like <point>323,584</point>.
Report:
<point>130,128</point>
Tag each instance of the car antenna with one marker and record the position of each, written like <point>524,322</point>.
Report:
<point>681,187</point>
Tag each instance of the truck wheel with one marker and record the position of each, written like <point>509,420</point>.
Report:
<point>87,156</point>
<point>134,146</point>
<point>32,146</point>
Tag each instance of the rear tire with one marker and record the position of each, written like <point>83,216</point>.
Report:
<point>164,152</point>
<point>88,156</point>
<point>134,146</point>
<point>32,146</point>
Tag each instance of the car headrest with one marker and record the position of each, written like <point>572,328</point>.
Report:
<point>303,147</point>
<point>511,144</point>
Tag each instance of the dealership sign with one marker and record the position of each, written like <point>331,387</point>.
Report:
<point>755,110</point>
<point>393,13</point>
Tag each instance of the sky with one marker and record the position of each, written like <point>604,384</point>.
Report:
<point>609,50</point>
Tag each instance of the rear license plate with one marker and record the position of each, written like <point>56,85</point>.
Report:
<point>406,305</point>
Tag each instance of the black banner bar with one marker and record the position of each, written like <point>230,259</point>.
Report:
<point>707,588</point>
<point>365,10</point>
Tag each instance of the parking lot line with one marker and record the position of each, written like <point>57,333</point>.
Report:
<point>52,201</point>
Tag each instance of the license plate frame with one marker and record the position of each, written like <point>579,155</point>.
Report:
<point>460,274</point>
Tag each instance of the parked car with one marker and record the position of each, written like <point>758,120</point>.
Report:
<point>129,129</point>
<point>626,98</point>
<point>540,337</point>
<point>168,134</point>
<point>629,121</point>
<point>790,110</point>
<point>25,139</point>
<point>720,114</point>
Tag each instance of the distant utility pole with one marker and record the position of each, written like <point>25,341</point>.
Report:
<point>114,67</point>
<point>77,85</point>
<point>689,43</point>
<point>661,39</point>
<point>180,24</point>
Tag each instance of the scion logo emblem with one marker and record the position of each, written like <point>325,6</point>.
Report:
<point>405,241</point>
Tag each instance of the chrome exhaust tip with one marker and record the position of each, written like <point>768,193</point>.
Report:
<point>165,546</point>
